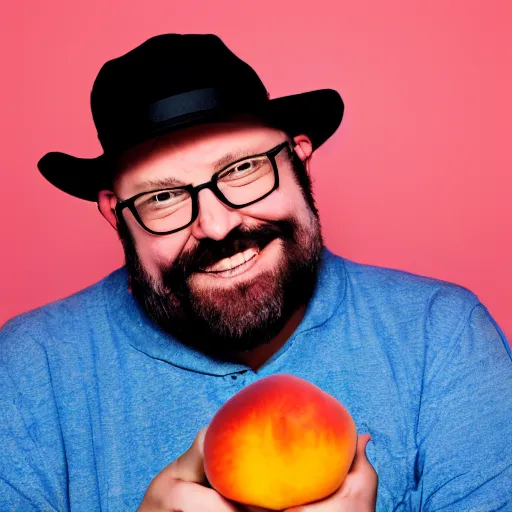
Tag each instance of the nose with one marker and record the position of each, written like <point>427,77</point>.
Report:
<point>215,219</point>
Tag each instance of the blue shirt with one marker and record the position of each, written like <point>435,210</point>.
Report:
<point>96,399</point>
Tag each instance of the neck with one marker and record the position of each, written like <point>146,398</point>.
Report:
<point>260,355</point>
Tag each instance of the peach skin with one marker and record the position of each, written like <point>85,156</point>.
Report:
<point>278,443</point>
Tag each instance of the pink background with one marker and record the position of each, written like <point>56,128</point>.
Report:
<point>419,177</point>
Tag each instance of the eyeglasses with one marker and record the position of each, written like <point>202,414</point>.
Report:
<point>240,184</point>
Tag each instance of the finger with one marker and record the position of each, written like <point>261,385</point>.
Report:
<point>362,479</point>
<point>252,508</point>
<point>360,461</point>
<point>190,496</point>
<point>189,466</point>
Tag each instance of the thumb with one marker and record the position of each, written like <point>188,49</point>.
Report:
<point>362,479</point>
<point>189,466</point>
<point>360,461</point>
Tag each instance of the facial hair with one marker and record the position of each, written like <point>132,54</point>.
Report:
<point>238,318</point>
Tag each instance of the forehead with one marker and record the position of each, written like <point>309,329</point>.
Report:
<point>193,153</point>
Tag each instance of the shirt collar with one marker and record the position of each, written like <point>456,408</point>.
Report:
<point>146,337</point>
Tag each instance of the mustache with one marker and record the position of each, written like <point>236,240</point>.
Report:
<point>208,251</point>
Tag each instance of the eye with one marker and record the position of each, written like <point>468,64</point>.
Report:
<point>241,169</point>
<point>161,197</point>
<point>168,197</point>
<point>244,166</point>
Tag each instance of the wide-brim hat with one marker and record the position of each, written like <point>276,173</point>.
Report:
<point>173,81</point>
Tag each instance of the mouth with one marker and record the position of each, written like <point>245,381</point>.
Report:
<point>234,265</point>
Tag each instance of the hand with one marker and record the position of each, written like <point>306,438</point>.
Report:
<point>358,492</point>
<point>182,486</point>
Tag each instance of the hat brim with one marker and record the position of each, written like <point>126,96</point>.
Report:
<point>317,114</point>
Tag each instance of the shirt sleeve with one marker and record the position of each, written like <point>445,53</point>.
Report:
<point>30,448</point>
<point>464,430</point>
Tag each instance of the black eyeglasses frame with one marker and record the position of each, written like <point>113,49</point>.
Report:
<point>212,185</point>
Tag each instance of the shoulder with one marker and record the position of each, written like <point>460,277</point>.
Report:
<point>401,297</point>
<point>55,319</point>
<point>405,286</point>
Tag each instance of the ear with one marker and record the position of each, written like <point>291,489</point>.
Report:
<point>304,148</point>
<point>106,205</point>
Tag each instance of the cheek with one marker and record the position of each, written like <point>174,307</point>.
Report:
<point>285,201</point>
<point>156,251</point>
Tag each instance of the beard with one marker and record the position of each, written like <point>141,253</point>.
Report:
<point>221,321</point>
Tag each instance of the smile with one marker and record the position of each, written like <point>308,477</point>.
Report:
<point>234,265</point>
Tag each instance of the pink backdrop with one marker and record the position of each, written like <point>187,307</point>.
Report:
<point>418,177</point>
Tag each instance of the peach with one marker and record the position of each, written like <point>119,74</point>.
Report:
<point>279,442</point>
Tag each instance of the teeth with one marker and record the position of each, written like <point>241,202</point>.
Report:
<point>234,261</point>
<point>249,253</point>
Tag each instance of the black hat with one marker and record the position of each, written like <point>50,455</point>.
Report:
<point>173,81</point>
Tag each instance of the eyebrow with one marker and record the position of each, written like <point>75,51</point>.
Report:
<point>170,181</point>
<point>231,158</point>
<point>158,183</point>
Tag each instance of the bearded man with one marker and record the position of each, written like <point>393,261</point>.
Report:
<point>206,181</point>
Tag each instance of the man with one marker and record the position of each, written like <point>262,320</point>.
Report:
<point>206,181</point>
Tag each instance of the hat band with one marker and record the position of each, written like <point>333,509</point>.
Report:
<point>172,110</point>
<point>185,103</point>
<point>194,101</point>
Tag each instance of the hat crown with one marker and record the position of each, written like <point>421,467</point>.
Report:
<point>164,66</point>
